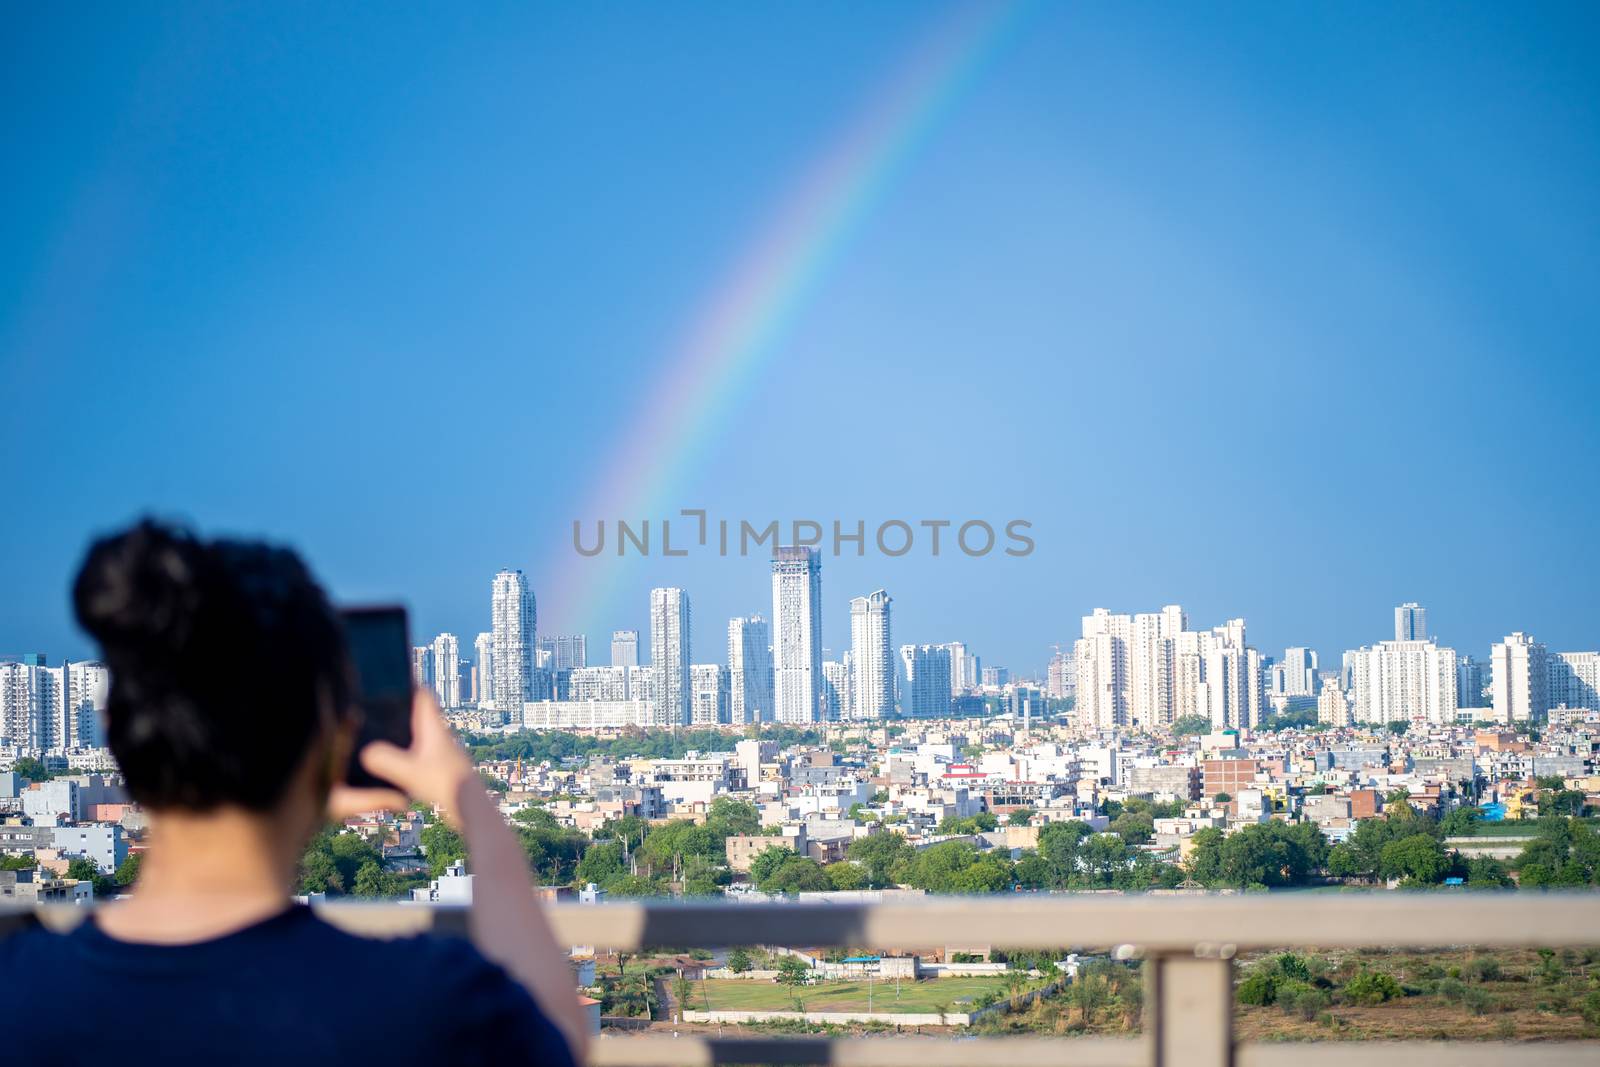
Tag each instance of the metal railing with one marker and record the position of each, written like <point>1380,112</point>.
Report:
<point>1187,944</point>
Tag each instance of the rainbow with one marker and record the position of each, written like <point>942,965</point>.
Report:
<point>742,324</point>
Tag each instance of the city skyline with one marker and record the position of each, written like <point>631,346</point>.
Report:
<point>1229,327</point>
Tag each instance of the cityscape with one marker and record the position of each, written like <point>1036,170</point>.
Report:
<point>1147,756</point>
<point>928,531</point>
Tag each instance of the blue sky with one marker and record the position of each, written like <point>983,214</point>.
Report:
<point>1282,310</point>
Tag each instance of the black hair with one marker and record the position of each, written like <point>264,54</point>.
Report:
<point>227,664</point>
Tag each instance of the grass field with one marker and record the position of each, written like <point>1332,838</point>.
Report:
<point>732,994</point>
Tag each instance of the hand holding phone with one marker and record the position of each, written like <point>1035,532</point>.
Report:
<point>380,650</point>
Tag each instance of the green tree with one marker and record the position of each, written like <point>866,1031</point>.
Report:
<point>601,863</point>
<point>766,863</point>
<point>441,845</point>
<point>1268,854</point>
<point>1484,872</point>
<point>128,869</point>
<point>846,875</point>
<point>880,854</point>
<point>1189,725</point>
<point>739,961</point>
<point>18,863</point>
<point>728,817</point>
<point>1020,816</point>
<point>1371,987</point>
<point>1134,827</point>
<point>793,971</point>
<point>1419,858</point>
<point>633,885</point>
<point>797,874</point>
<point>319,874</point>
<point>31,769</point>
<point>1060,847</point>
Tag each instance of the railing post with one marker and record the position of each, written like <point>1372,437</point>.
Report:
<point>1189,1005</point>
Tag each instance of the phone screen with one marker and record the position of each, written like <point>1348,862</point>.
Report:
<point>380,649</point>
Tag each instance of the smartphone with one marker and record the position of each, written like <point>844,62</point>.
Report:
<point>380,649</point>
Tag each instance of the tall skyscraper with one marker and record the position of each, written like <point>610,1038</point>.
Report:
<point>515,619</point>
<point>669,654</point>
<point>797,619</point>
<point>1102,655</point>
<point>836,686</point>
<point>1151,670</point>
<point>446,661</point>
<point>927,681</point>
<point>750,670</point>
<point>872,657</point>
<point>1299,672</point>
<point>27,693</point>
<point>564,651</point>
<point>1521,679</point>
<point>1410,622</point>
<point>422,666</point>
<point>1061,676</point>
<point>483,646</point>
<point>1470,683</point>
<point>1398,681</point>
<point>624,648</point>
<point>965,670</point>
<point>1574,680</point>
<point>708,695</point>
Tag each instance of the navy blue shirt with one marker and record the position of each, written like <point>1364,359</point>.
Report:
<point>288,990</point>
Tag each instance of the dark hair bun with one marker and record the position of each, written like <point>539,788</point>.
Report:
<point>141,591</point>
<point>226,661</point>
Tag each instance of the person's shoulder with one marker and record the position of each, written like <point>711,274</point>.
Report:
<point>23,938</point>
<point>482,1008</point>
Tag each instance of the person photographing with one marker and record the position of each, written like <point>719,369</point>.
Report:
<point>232,717</point>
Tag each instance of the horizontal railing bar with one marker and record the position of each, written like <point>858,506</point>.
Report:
<point>692,1050</point>
<point>1207,924</point>
<point>1220,924</point>
<point>1418,1053</point>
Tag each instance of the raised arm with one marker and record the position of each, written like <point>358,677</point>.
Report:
<point>507,923</point>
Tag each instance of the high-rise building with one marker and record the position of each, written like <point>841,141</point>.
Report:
<point>750,670</point>
<point>708,694</point>
<point>995,677</point>
<point>836,687</point>
<point>46,709</point>
<point>515,623</point>
<point>422,666</point>
<point>1333,709</point>
<point>483,670</point>
<point>669,654</point>
<point>446,664</point>
<point>966,672</point>
<point>27,693</point>
<point>563,652</point>
<point>608,683</point>
<point>1102,658</point>
<point>1410,622</point>
<point>1470,683</point>
<point>1401,681</point>
<point>1061,676</point>
<point>1574,680</point>
<point>872,658</point>
<point>926,692</point>
<point>797,623</point>
<point>624,648</point>
<point>1521,679</point>
<point>1299,672</point>
<point>1151,670</point>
